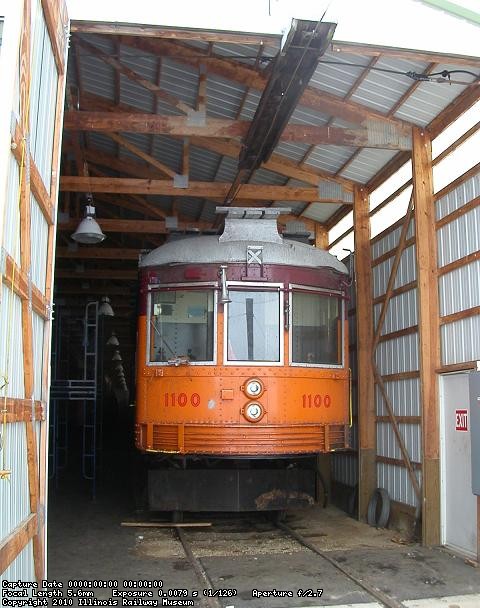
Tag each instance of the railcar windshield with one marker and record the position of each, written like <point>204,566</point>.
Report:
<point>253,326</point>
<point>182,325</point>
<point>317,329</point>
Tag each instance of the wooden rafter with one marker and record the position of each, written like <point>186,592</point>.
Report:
<point>220,127</point>
<point>195,189</point>
<point>174,33</point>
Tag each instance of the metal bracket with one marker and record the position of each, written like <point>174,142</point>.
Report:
<point>180,181</point>
<point>196,118</point>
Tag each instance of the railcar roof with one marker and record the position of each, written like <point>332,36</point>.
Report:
<point>210,250</point>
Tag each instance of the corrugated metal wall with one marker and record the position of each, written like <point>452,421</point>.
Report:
<point>459,287</point>
<point>397,356</point>
<point>24,429</point>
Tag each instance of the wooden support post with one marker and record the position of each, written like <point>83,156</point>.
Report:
<point>366,393</point>
<point>321,237</point>
<point>428,322</point>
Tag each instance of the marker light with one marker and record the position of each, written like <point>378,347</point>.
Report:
<point>254,388</point>
<point>253,412</point>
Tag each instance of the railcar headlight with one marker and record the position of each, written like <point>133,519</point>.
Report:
<point>253,387</point>
<point>253,412</point>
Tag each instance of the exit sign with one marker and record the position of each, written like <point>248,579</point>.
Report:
<point>461,420</point>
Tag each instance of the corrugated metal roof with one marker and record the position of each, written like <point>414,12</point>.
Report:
<point>320,212</point>
<point>336,74</point>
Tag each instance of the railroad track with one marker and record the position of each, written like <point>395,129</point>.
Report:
<point>211,599</point>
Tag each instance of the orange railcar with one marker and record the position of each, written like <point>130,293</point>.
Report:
<point>242,369</point>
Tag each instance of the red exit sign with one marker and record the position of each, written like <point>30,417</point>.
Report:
<point>461,420</point>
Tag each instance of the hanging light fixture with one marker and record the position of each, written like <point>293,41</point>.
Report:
<point>105,309</point>
<point>88,231</point>
<point>117,356</point>
<point>113,340</point>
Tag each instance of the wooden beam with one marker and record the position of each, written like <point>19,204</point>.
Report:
<point>174,33</point>
<point>372,137</point>
<point>36,182</point>
<point>230,147</point>
<point>17,540</point>
<point>20,410</point>
<point>104,273</point>
<point>134,76</point>
<point>94,156</point>
<point>141,154</point>
<point>34,489</point>
<point>366,394</point>
<point>195,189</point>
<point>355,48</point>
<point>98,253</point>
<point>56,20</point>
<point>429,348</point>
<point>131,226</point>
<point>15,278</point>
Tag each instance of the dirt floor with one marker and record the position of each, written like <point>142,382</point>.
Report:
<point>247,553</point>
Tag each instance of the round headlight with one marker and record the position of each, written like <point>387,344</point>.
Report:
<point>253,387</point>
<point>253,412</point>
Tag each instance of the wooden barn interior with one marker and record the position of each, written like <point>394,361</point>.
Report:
<point>157,126</point>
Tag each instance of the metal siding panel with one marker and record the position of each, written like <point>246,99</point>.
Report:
<point>397,483</point>
<point>11,229</point>
<point>39,245</point>
<point>42,112</point>
<point>387,444</point>
<point>458,197</point>
<point>14,497</point>
<point>22,568</point>
<point>401,312</point>
<point>460,289</point>
<point>398,355</point>
<point>11,344</point>
<point>459,238</point>
<point>404,395</point>
<point>460,341</point>
<point>344,468</point>
<point>38,341</point>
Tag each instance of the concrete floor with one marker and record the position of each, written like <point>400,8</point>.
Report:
<point>86,542</point>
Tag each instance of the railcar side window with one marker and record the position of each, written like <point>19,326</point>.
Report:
<point>181,325</point>
<point>253,329</point>
<point>316,329</point>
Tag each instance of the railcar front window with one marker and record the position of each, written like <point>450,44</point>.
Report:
<point>253,331</point>
<point>181,326</point>
<point>316,329</point>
